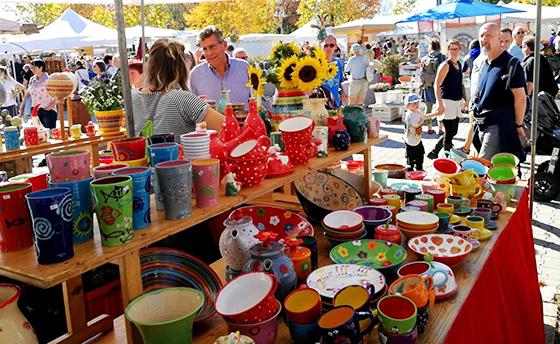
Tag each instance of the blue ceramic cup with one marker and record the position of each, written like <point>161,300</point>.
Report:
<point>11,138</point>
<point>443,222</point>
<point>51,214</point>
<point>82,216</point>
<point>140,194</point>
<point>161,152</point>
<point>304,334</point>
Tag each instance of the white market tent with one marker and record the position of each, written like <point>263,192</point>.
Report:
<point>150,31</point>
<point>260,44</point>
<point>365,26</point>
<point>9,26</point>
<point>309,34</point>
<point>530,11</point>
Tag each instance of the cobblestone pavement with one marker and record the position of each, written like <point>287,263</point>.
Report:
<point>546,226</point>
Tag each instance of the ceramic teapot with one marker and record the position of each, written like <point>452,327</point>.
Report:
<point>236,240</point>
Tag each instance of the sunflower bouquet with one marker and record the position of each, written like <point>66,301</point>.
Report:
<point>290,68</point>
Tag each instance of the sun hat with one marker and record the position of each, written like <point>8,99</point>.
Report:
<point>411,98</point>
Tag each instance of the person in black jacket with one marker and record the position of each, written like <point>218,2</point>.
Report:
<point>546,77</point>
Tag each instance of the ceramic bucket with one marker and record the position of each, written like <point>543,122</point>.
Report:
<point>175,182</point>
<point>15,224</point>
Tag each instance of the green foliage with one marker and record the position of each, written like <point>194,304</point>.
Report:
<point>390,64</point>
<point>103,93</point>
<point>341,11</point>
<point>404,6</point>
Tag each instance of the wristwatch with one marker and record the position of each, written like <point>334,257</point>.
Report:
<point>519,125</point>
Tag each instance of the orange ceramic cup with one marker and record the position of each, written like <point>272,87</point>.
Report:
<point>446,208</point>
<point>303,306</point>
<point>394,200</point>
<point>354,296</point>
<point>418,288</point>
<point>301,257</point>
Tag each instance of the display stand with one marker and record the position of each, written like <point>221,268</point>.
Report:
<point>22,265</point>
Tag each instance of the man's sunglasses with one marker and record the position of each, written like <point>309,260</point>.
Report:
<point>521,32</point>
<point>332,45</point>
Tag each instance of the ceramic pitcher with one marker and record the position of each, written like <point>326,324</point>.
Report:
<point>236,240</point>
<point>14,327</point>
<point>315,108</point>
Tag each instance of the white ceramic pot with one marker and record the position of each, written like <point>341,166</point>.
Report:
<point>14,327</point>
<point>315,108</point>
<point>236,240</point>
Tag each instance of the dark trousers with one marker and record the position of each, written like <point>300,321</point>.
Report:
<point>415,157</point>
<point>47,118</point>
<point>446,140</point>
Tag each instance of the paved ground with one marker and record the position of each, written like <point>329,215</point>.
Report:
<point>546,226</point>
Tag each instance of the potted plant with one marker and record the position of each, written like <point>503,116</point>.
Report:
<point>391,64</point>
<point>103,97</point>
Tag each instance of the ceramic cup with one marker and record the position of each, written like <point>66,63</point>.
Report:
<point>31,136</point>
<point>394,200</point>
<point>11,138</point>
<point>418,288</point>
<point>141,177</point>
<point>112,198</point>
<point>16,232</point>
<point>446,208</point>
<point>458,201</point>
<point>106,170</point>
<point>397,314</point>
<point>303,306</point>
<point>264,332</point>
<point>38,181</point>
<point>380,176</point>
<point>311,243</point>
<point>161,138</point>
<point>439,196</point>
<point>428,199</point>
<point>76,131</point>
<point>82,217</point>
<point>175,182</point>
<point>355,296</point>
<point>386,337</point>
<point>425,269</point>
<point>342,324</point>
<point>411,193</point>
<point>160,152</point>
<point>69,166</point>
<point>206,180</point>
<point>475,222</point>
<point>51,213</point>
<point>443,221</point>
<point>130,148</point>
<point>304,333</point>
<point>495,207</point>
<point>484,213</point>
<point>466,232</point>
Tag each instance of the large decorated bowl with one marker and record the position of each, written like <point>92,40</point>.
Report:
<point>444,248</point>
<point>321,193</point>
<point>274,219</point>
<point>384,256</point>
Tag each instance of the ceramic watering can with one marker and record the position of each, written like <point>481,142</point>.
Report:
<point>236,240</point>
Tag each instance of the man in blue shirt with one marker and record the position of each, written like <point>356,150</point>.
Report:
<point>219,71</point>
<point>499,105</point>
<point>515,48</point>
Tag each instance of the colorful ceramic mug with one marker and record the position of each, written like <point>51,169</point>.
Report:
<point>397,314</point>
<point>484,203</point>
<point>428,199</point>
<point>418,288</point>
<point>355,296</point>
<point>475,222</point>
<point>342,324</point>
<point>458,201</point>
<point>303,306</point>
<point>106,170</point>
<point>439,196</point>
<point>301,257</point>
<point>466,232</point>
<point>446,208</point>
<point>160,152</point>
<point>206,180</point>
<point>394,200</point>
<point>69,166</point>
<point>423,268</point>
<point>16,232</point>
<point>131,148</point>
<point>443,221</point>
<point>140,194</point>
<point>304,333</point>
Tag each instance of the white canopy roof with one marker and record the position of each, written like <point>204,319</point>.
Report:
<point>150,31</point>
<point>9,25</point>
<point>260,44</point>
<point>368,25</point>
<point>548,12</point>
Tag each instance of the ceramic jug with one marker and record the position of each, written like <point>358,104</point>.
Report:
<point>315,108</point>
<point>355,121</point>
<point>254,120</point>
<point>236,240</point>
<point>270,258</point>
<point>14,328</point>
<point>220,150</point>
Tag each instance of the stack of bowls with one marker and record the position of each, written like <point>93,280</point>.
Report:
<point>130,151</point>
<point>196,145</point>
<point>414,223</point>
<point>374,216</point>
<point>251,313</point>
<point>249,161</point>
<point>503,176</point>
<point>343,225</point>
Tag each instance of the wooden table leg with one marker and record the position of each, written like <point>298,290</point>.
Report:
<point>94,147</point>
<point>367,172</point>
<point>131,284</point>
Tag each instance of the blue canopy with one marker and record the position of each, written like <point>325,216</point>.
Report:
<point>460,9</point>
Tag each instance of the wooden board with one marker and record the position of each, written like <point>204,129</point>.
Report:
<point>441,318</point>
<point>23,266</point>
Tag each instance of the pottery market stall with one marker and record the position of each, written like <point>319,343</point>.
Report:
<point>22,265</point>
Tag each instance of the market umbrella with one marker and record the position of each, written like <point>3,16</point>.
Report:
<point>460,9</point>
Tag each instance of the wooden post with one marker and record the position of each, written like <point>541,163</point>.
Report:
<point>367,172</point>
<point>60,105</point>
<point>131,284</point>
<point>70,114</point>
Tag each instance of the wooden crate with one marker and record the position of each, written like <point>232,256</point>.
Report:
<point>17,166</point>
<point>385,113</point>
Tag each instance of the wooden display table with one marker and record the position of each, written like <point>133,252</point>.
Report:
<point>22,265</point>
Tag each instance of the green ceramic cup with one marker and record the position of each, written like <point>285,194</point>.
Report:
<point>166,315</point>
<point>112,197</point>
<point>397,314</point>
<point>427,198</point>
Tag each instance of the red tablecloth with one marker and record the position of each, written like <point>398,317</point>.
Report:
<point>504,305</point>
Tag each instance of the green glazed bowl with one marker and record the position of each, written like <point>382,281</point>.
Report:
<point>505,159</point>
<point>397,314</point>
<point>507,189</point>
<point>502,172</point>
<point>378,254</point>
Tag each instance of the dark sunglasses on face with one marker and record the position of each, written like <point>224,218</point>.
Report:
<point>521,32</point>
<point>332,45</point>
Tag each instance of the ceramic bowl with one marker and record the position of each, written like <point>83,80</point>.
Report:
<point>374,216</point>
<point>321,193</point>
<point>444,248</point>
<point>278,220</point>
<point>416,175</point>
<point>381,255</point>
<point>236,305</point>
<point>505,159</point>
<point>503,174</point>
<point>475,166</point>
<point>337,241</point>
<point>417,219</point>
<point>507,189</point>
<point>264,331</point>
<point>446,167</point>
<point>345,235</point>
<point>343,221</point>
<point>395,171</point>
<point>137,163</point>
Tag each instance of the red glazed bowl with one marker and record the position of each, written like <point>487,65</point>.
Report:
<point>248,298</point>
<point>132,148</point>
<point>416,175</point>
<point>446,167</point>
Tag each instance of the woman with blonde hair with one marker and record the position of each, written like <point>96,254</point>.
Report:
<point>165,97</point>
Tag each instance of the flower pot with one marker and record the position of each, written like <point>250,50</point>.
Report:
<point>109,121</point>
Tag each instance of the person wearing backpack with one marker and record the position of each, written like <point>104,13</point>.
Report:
<point>430,64</point>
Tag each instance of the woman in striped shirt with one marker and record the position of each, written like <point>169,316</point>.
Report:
<point>176,109</point>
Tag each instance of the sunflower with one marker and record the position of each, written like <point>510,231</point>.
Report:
<point>286,72</point>
<point>284,50</point>
<point>319,54</point>
<point>256,81</point>
<point>308,73</point>
<point>331,71</point>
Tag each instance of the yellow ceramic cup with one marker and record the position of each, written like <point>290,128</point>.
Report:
<point>394,200</point>
<point>446,208</point>
<point>475,222</point>
<point>354,296</point>
<point>76,131</point>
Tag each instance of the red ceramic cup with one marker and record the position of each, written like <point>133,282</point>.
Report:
<point>303,306</point>
<point>439,196</point>
<point>31,136</point>
<point>132,148</point>
<point>16,231</point>
<point>251,149</point>
<point>69,166</point>
<point>296,129</point>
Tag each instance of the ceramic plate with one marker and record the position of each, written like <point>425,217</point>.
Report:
<point>279,220</point>
<point>454,219</point>
<point>165,267</point>
<point>462,211</point>
<point>375,254</point>
<point>329,279</point>
<point>417,218</point>
<point>444,248</point>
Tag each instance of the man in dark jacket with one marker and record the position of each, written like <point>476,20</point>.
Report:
<point>546,77</point>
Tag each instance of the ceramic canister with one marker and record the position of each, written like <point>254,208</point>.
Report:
<point>112,198</point>
<point>427,198</point>
<point>11,138</point>
<point>140,194</point>
<point>69,165</point>
<point>206,180</point>
<point>51,213</point>
<point>82,218</point>
<point>31,136</point>
<point>175,182</point>
<point>16,232</point>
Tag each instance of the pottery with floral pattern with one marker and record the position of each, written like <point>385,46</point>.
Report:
<point>14,328</point>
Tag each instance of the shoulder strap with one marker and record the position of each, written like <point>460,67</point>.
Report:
<point>152,112</point>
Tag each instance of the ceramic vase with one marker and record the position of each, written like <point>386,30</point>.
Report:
<point>315,108</point>
<point>341,140</point>
<point>236,240</point>
<point>82,217</point>
<point>355,121</point>
<point>69,166</point>
<point>271,259</point>
<point>16,232</point>
<point>175,182</point>
<point>51,213</point>
<point>140,194</point>
<point>254,120</point>
<point>15,328</point>
<point>112,198</point>
<point>288,103</point>
<point>206,180</point>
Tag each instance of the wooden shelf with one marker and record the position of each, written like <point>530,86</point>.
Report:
<point>23,266</point>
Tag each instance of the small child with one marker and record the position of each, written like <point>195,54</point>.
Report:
<point>413,120</point>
